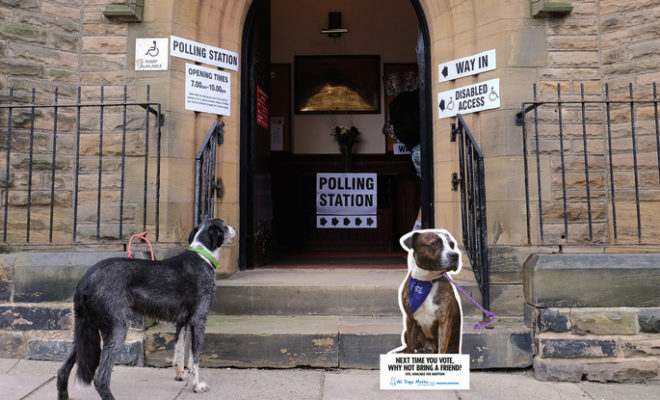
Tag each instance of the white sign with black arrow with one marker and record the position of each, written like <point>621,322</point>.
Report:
<point>469,99</point>
<point>467,66</point>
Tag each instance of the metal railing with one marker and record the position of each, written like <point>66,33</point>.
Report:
<point>206,185</point>
<point>472,186</point>
<point>595,169</point>
<point>84,171</point>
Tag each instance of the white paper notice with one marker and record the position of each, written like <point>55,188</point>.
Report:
<point>208,90</point>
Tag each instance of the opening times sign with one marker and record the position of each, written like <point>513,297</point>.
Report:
<point>346,200</point>
<point>208,90</point>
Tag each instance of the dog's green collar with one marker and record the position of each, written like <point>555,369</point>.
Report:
<point>206,255</point>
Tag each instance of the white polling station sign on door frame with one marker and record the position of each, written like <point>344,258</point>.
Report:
<point>203,53</point>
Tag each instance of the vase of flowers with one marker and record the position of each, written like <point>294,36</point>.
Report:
<point>346,138</point>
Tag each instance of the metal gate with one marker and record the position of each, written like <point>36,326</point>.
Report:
<point>79,171</point>
<point>592,168</point>
<point>206,185</point>
<point>472,186</point>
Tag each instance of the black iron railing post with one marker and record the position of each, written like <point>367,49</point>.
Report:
<point>473,205</point>
<point>8,163</point>
<point>52,169</point>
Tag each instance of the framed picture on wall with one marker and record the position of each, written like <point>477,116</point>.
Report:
<point>397,78</point>
<point>337,84</point>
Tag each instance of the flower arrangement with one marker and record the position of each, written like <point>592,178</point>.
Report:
<point>346,138</point>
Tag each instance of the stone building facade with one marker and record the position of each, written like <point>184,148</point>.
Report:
<point>573,52</point>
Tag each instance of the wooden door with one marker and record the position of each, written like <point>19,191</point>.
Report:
<point>256,202</point>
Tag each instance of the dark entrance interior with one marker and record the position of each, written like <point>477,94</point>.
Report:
<point>279,165</point>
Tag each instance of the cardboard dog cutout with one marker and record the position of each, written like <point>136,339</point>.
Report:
<point>431,308</point>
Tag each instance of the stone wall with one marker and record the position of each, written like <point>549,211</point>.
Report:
<point>600,50</point>
<point>594,317</point>
<point>55,43</point>
<point>597,344</point>
<point>60,46</point>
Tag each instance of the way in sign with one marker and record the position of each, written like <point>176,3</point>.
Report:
<point>468,65</point>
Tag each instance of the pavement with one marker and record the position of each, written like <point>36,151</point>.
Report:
<point>26,379</point>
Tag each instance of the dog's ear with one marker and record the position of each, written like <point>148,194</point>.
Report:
<point>408,240</point>
<point>192,234</point>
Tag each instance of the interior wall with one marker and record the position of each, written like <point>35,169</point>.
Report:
<point>384,27</point>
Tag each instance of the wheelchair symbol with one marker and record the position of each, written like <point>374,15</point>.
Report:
<point>493,94</point>
<point>153,50</point>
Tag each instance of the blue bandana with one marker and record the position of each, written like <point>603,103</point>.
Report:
<point>419,291</point>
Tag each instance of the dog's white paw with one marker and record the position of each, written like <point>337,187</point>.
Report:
<point>180,374</point>
<point>201,387</point>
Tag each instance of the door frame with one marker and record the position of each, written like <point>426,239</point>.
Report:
<point>426,132</point>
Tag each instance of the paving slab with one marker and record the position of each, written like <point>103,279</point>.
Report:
<point>617,391</point>
<point>12,388</point>
<point>257,384</point>
<point>497,386</point>
<point>6,364</point>
<point>35,380</point>
<point>126,383</point>
<point>365,385</point>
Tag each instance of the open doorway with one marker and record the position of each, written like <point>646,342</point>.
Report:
<point>280,165</point>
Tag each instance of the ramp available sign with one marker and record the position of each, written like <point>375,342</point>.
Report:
<point>346,200</point>
<point>151,54</point>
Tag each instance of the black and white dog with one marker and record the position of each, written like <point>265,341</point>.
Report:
<point>179,289</point>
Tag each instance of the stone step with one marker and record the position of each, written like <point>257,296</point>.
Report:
<point>46,316</point>
<point>55,345</point>
<point>308,292</point>
<point>331,342</point>
<point>36,316</point>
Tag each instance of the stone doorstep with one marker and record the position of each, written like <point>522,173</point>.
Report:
<point>343,292</point>
<point>331,342</point>
<point>55,345</point>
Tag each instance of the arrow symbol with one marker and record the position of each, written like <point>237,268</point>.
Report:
<point>323,221</point>
<point>442,105</point>
<point>358,221</point>
<point>445,71</point>
<point>370,221</point>
<point>335,221</point>
<point>347,221</point>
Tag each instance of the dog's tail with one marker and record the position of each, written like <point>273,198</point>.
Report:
<point>86,341</point>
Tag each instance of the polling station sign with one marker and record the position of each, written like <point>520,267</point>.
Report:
<point>399,371</point>
<point>346,200</point>
<point>469,99</point>
<point>467,66</point>
<point>208,90</point>
<point>203,53</point>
